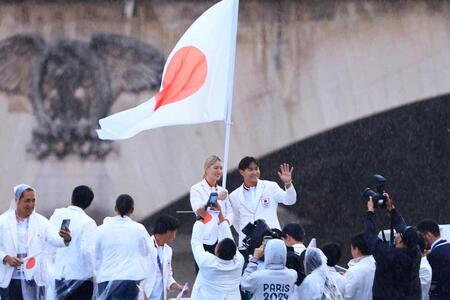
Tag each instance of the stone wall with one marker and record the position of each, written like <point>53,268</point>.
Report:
<point>302,68</point>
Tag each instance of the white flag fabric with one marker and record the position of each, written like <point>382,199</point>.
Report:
<point>196,79</point>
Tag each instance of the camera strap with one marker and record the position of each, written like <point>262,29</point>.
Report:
<point>391,238</point>
<point>391,233</point>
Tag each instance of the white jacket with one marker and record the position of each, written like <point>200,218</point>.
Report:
<point>168,279</point>
<point>123,250</point>
<point>40,232</point>
<point>359,278</point>
<point>338,279</point>
<point>425,274</point>
<point>275,281</point>
<point>199,196</point>
<point>269,194</point>
<point>75,262</point>
<point>217,279</point>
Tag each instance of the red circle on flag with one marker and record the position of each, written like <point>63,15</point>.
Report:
<point>31,263</point>
<point>185,74</point>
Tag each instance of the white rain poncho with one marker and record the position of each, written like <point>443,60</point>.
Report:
<point>73,266</point>
<point>18,191</point>
<point>32,235</point>
<point>124,252</point>
<point>318,284</point>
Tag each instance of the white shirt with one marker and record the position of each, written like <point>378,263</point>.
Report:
<point>75,262</point>
<point>338,279</point>
<point>267,194</point>
<point>22,248</point>
<point>40,235</point>
<point>158,287</point>
<point>122,250</point>
<point>250,196</point>
<point>425,274</point>
<point>199,196</point>
<point>359,278</point>
<point>299,248</point>
<point>149,284</point>
<point>217,279</point>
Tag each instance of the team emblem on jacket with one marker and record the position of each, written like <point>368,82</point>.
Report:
<point>265,202</point>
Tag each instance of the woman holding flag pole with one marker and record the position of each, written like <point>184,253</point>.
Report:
<point>200,196</point>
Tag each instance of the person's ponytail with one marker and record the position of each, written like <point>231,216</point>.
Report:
<point>124,204</point>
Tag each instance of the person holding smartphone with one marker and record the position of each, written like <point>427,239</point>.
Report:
<point>24,239</point>
<point>74,265</point>
<point>203,196</point>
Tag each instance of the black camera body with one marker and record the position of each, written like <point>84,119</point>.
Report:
<point>255,233</point>
<point>378,199</point>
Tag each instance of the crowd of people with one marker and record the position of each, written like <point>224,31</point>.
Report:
<point>70,257</point>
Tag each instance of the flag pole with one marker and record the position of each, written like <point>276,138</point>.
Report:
<point>229,95</point>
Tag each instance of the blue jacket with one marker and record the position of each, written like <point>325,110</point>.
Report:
<point>439,259</point>
<point>397,270</point>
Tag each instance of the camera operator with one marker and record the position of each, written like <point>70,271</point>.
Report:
<point>397,269</point>
<point>274,281</point>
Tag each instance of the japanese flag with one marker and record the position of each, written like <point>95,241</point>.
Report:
<point>197,79</point>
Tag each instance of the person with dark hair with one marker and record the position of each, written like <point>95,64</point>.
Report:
<point>259,199</point>
<point>219,273</point>
<point>155,287</point>
<point>24,239</point>
<point>199,197</point>
<point>397,269</point>
<point>294,236</point>
<point>333,253</point>
<point>438,257</point>
<point>74,265</point>
<point>425,271</point>
<point>361,271</point>
<point>123,250</point>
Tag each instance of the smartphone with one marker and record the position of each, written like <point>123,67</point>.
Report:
<point>212,199</point>
<point>65,224</point>
<point>265,239</point>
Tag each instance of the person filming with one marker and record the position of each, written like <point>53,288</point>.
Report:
<point>274,280</point>
<point>397,268</point>
<point>200,195</point>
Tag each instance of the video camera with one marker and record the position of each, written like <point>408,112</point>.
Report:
<point>255,233</point>
<point>378,199</point>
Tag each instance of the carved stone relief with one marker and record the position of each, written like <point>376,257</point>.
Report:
<point>71,84</point>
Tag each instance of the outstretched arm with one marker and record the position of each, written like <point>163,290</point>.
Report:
<point>397,220</point>
<point>376,246</point>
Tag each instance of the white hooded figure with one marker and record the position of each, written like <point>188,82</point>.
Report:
<point>25,236</point>
<point>274,281</point>
<point>318,284</point>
